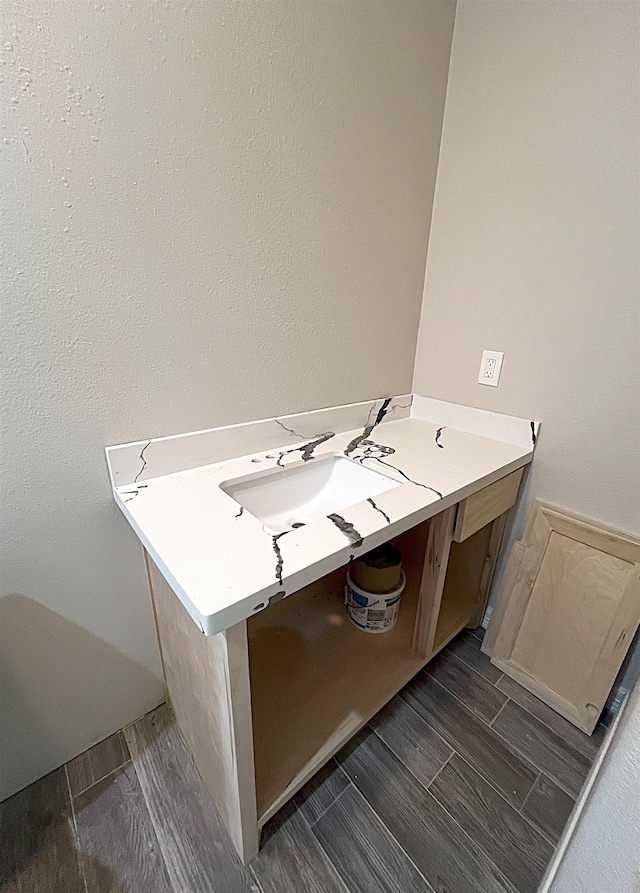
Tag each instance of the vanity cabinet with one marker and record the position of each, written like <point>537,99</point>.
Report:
<point>265,703</point>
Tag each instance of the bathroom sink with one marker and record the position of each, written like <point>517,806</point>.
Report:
<point>283,498</point>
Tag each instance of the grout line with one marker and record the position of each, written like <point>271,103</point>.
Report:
<point>430,887</point>
<point>254,878</point>
<point>441,768</point>
<point>344,791</point>
<point>111,771</point>
<point>317,839</point>
<point>545,723</point>
<point>76,840</point>
<point>529,793</point>
<point>498,681</point>
<point>525,760</point>
<point>541,832</point>
<point>411,707</point>
<point>498,713</point>
<point>92,773</point>
<point>73,812</point>
<point>335,799</point>
<point>82,791</point>
<point>546,837</point>
<point>561,784</point>
<point>399,758</point>
<point>464,663</point>
<point>501,794</point>
<point>93,784</point>
<point>510,887</point>
<point>255,883</point>
<point>460,660</point>
<point>528,761</point>
<point>169,864</point>
<point>449,650</point>
<point>466,706</point>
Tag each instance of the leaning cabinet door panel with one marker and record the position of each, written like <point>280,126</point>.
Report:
<point>571,611</point>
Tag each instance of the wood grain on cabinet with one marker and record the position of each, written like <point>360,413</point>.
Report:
<point>207,679</point>
<point>470,565</point>
<point>568,609</point>
<point>432,583</point>
<point>486,505</point>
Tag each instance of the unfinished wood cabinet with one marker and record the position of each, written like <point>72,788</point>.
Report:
<point>207,683</point>
<point>478,510</point>
<point>266,703</point>
<point>567,611</point>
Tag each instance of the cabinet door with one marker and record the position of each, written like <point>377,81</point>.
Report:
<point>567,612</point>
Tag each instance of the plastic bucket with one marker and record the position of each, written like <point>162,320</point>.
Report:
<point>373,612</point>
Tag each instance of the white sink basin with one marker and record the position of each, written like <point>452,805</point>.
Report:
<point>293,496</point>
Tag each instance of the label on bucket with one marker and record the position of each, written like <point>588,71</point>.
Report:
<point>377,617</point>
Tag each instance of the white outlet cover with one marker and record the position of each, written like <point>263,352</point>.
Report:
<point>490,367</point>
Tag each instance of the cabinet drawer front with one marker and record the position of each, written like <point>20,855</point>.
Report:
<point>486,505</point>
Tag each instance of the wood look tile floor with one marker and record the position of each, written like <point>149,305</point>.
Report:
<point>462,783</point>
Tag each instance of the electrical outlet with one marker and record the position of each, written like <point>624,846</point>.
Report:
<point>490,367</point>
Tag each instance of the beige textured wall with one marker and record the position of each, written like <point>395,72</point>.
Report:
<point>535,239</point>
<point>213,212</point>
<point>602,854</point>
<point>534,251</point>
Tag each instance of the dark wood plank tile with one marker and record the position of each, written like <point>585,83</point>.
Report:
<point>548,807</point>
<point>37,840</point>
<point>97,762</point>
<point>10,885</point>
<point>80,774</point>
<point>118,844</point>
<point>514,845</point>
<point>109,755</point>
<point>543,747</point>
<point>366,855</point>
<point>466,647</point>
<point>414,742</point>
<point>193,839</point>
<point>475,692</point>
<point>586,744</point>
<point>509,772</point>
<point>442,852</point>
<point>320,792</point>
<point>292,860</point>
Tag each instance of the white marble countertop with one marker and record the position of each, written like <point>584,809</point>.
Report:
<point>224,564</point>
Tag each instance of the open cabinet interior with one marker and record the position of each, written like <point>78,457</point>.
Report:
<point>298,679</point>
<point>316,678</point>
<point>466,585</point>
